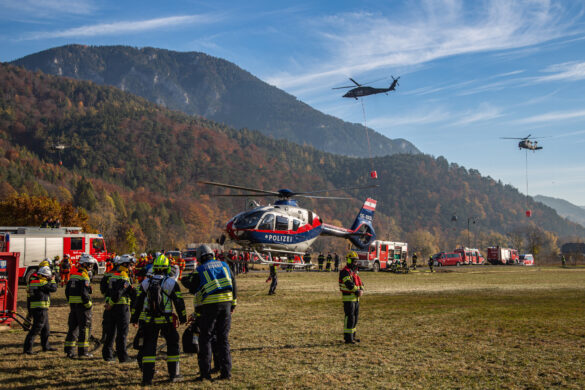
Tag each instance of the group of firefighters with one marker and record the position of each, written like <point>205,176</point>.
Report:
<point>155,306</point>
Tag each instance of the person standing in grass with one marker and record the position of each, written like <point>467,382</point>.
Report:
<point>40,286</point>
<point>321,260</point>
<point>352,289</point>
<point>273,278</point>
<point>431,263</point>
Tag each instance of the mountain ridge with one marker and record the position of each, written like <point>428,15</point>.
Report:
<point>564,208</point>
<point>199,84</point>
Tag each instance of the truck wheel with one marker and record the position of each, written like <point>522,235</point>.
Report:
<point>28,274</point>
<point>458,264</point>
<point>376,267</point>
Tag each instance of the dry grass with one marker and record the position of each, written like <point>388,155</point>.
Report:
<point>477,327</point>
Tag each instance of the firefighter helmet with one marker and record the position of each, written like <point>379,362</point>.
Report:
<point>45,271</point>
<point>161,263</point>
<point>45,263</point>
<point>86,260</point>
<point>204,253</point>
<point>124,259</point>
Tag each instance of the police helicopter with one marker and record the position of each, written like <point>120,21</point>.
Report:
<point>285,229</point>
<point>362,90</point>
<point>526,142</point>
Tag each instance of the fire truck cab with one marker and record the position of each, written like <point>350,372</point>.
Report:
<point>35,244</point>
<point>381,255</point>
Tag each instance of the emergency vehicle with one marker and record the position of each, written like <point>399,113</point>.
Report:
<point>498,255</point>
<point>381,255</point>
<point>35,244</point>
<point>447,258</point>
<point>470,255</point>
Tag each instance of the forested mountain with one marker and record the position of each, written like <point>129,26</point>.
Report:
<point>134,165</point>
<point>216,89</point>
<point>564,208</point>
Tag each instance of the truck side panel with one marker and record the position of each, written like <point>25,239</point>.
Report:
<point>54,247</point>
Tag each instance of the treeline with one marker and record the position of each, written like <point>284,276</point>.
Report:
<point>133,168</point>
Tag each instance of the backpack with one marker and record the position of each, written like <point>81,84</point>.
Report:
<point>155,295</point>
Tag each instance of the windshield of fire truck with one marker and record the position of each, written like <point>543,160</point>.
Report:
<point>248,220</point>
<point>98,245</point>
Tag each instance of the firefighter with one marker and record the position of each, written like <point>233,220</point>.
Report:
<point>119,295</point>
<point>181,264</point>
<point>414,259</point>
<point>290,260</point>
<point>107,315</point>
<point>320,261</point>
<point>307,260</point>
<point>217,287</point>
<point>431,263</point>
<point>352,289</point>
<point>329,262</point>
<point>336,262</point>
<point>65,269</point>
<point>40,286</point>
<point>55,269</point>
<point>78,293</point>
<point>156,297</point>
<point>563,261</point>
<point>273,278</point>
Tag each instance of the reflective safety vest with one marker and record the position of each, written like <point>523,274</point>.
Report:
<point>118,281</point>
<point>78,289</point>
<point>169,289</point>
<point>39,289</point>
<point>215,282</point>
<point>349,284</point>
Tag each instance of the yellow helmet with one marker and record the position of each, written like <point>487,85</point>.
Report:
<point>351,257</point>
<point>45,263</point>
<point>161,263</point>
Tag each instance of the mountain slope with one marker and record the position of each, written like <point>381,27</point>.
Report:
<point>143,163</point>
<point>563,208</point>
<point>198,84</point>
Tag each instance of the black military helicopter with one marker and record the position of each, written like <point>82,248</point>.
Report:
<point>363,90</point>
<point>526,142</point>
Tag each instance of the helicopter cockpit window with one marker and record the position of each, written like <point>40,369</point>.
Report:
<point>248,221</point>
<point>267,222</point>
<point>281,223</point>
<point>296,224</point>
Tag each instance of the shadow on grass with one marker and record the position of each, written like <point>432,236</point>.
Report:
<point>287,346</point>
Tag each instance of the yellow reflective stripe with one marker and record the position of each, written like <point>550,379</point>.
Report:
<point>148,359</point>
<point>349,298</point>
<point>174,358</point>
<point>75,299</point>
<point>348,277</point>
<point>227,273</point>
<point>40,305</point>
<point>220,297</point>
<point>70,343</point>
<point>88,305</point>
<point>206,275</point>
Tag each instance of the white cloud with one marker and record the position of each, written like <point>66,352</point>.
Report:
<point>483,113</point>
<point>124,27</point>
<point>47,8</point>
<point>570,71</point>
<point>554,116</point>
<point>361,42</point>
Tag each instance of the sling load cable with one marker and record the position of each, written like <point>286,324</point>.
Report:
<point>373,173</point>
<point>528,211</point>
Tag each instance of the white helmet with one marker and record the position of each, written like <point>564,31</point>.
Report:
<point>124,259</point>
<point>204,253</point>
<point>45,271</point>
<point>143,254</point>
<point>86,259</point>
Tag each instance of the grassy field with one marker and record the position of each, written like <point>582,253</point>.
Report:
<point>474,327</point>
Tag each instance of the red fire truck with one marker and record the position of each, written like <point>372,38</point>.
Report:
<point>498,255</point>
<point>381,255</point>
<point>35,244</point>
<point>470,255</point>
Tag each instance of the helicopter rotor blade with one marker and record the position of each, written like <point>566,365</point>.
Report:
<point>250,195</point>
<point>350,86</point>
<point>337,189</point>
<point>212,183</point>
<point>325,197</point>
<point>355,82</point>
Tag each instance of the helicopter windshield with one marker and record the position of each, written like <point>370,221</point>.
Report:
<point>249,220</point>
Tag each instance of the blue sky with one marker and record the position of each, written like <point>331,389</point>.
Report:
<point>471,71</point>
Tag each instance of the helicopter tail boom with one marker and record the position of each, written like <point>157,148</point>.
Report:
<point>361,233</point>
